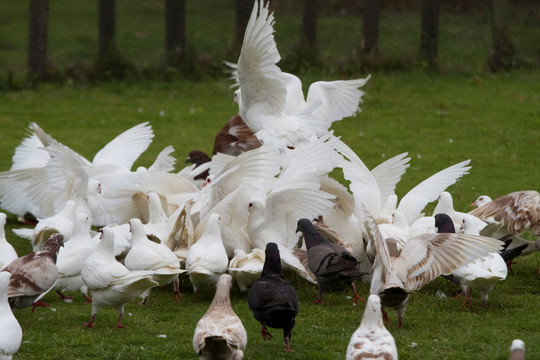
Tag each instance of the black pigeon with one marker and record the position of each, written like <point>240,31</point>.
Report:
<point>330,262</point>
<point>272,299</point>
<point>444,224</point>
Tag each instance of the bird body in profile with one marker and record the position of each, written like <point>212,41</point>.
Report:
<point>272,299</point>
<point>330,262</point>
<point>33,274</point>
<point>220,334</point>
<point>110,282</point>
<point>519,211</point>
<point>10,330</point>
<point>372,340</point>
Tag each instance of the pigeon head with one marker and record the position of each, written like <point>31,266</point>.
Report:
<point>308,230</point>
<point>197,157</point>
<point>53,244</point>
<point>272,261</point>
<point>236,97</point>
<point>444,224</point>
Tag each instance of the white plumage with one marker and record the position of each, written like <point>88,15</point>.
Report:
<point>220,334</point>
<point>371,340</point>
<point>110,282</point>
<point>10,330</point>
<point>7,251</point>
<point>245,269</point>
<point>207,258</point>
<point>272,103</point>
<point>148,255</point>
<point>71,258</point>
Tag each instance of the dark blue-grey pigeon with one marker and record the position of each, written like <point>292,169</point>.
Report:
<point>330,262</point>
<point>272,299</point>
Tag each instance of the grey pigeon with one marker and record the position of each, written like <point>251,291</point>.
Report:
<point>330,262</point>
<point>272,299</point>
<point>33,274</point>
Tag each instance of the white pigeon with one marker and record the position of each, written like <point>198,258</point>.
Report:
<point>372,340</point>
<point>396,274</point>
<point>71,258</point>
<point>61,222</point>
<point>146,254</point>
<point>207,258</point>
<point>110,282</point>
<point>7,251</point>
<point>482,273</point>
<point>445,205</point>
<point>245,269</point>
<point>10,330</point>
<point>295,194</point>
<point>272,103</point>
<point>481,200</point>
<point>220,334</point>
<point>374,190</point>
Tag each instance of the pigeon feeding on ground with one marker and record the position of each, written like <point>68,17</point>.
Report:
<point>272,299</point>
<point>372,340</point>
<point>10,330</point>
<point>33,274</point>
<point>110,282</point>
<point>330,262</point>
<point>220,334</point>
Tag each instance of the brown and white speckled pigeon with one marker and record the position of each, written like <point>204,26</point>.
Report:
<point>372,340</point>
<point>272,299</point>
<point>220,334</point>
<point>519,211</point>
<point>330,262</point>
<point>33,274</point>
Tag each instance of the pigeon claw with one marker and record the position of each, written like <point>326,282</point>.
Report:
<point>40,304</point>
<point>317,301</point>
<point>265,333</point>
<point>177,296</point>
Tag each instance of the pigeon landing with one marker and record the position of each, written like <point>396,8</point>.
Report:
<point>330,262</point>
<point>272,299</point>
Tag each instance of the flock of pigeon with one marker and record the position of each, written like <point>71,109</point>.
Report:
<point>264,202</point>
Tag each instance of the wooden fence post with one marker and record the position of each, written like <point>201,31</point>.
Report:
<point>429,33</point>
<point>37,37</point>
<point>175,23</point>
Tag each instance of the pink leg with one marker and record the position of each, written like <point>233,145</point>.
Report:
<point>91,322</point>
<point>356,297</point>
<point>177,295</point>
<point>88,298</point>
<point>287,345</point>
<point>265,333</point>
<point>40,304</point>
<point>119,324</point>
<point>64,297</point>
<point>467,300</point>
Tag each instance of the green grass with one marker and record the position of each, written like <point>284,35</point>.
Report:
<point>494,120</point>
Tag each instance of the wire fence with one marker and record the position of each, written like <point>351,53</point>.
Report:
<point>464,35</point>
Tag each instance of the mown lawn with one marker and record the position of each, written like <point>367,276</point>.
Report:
<point>494,120</point>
